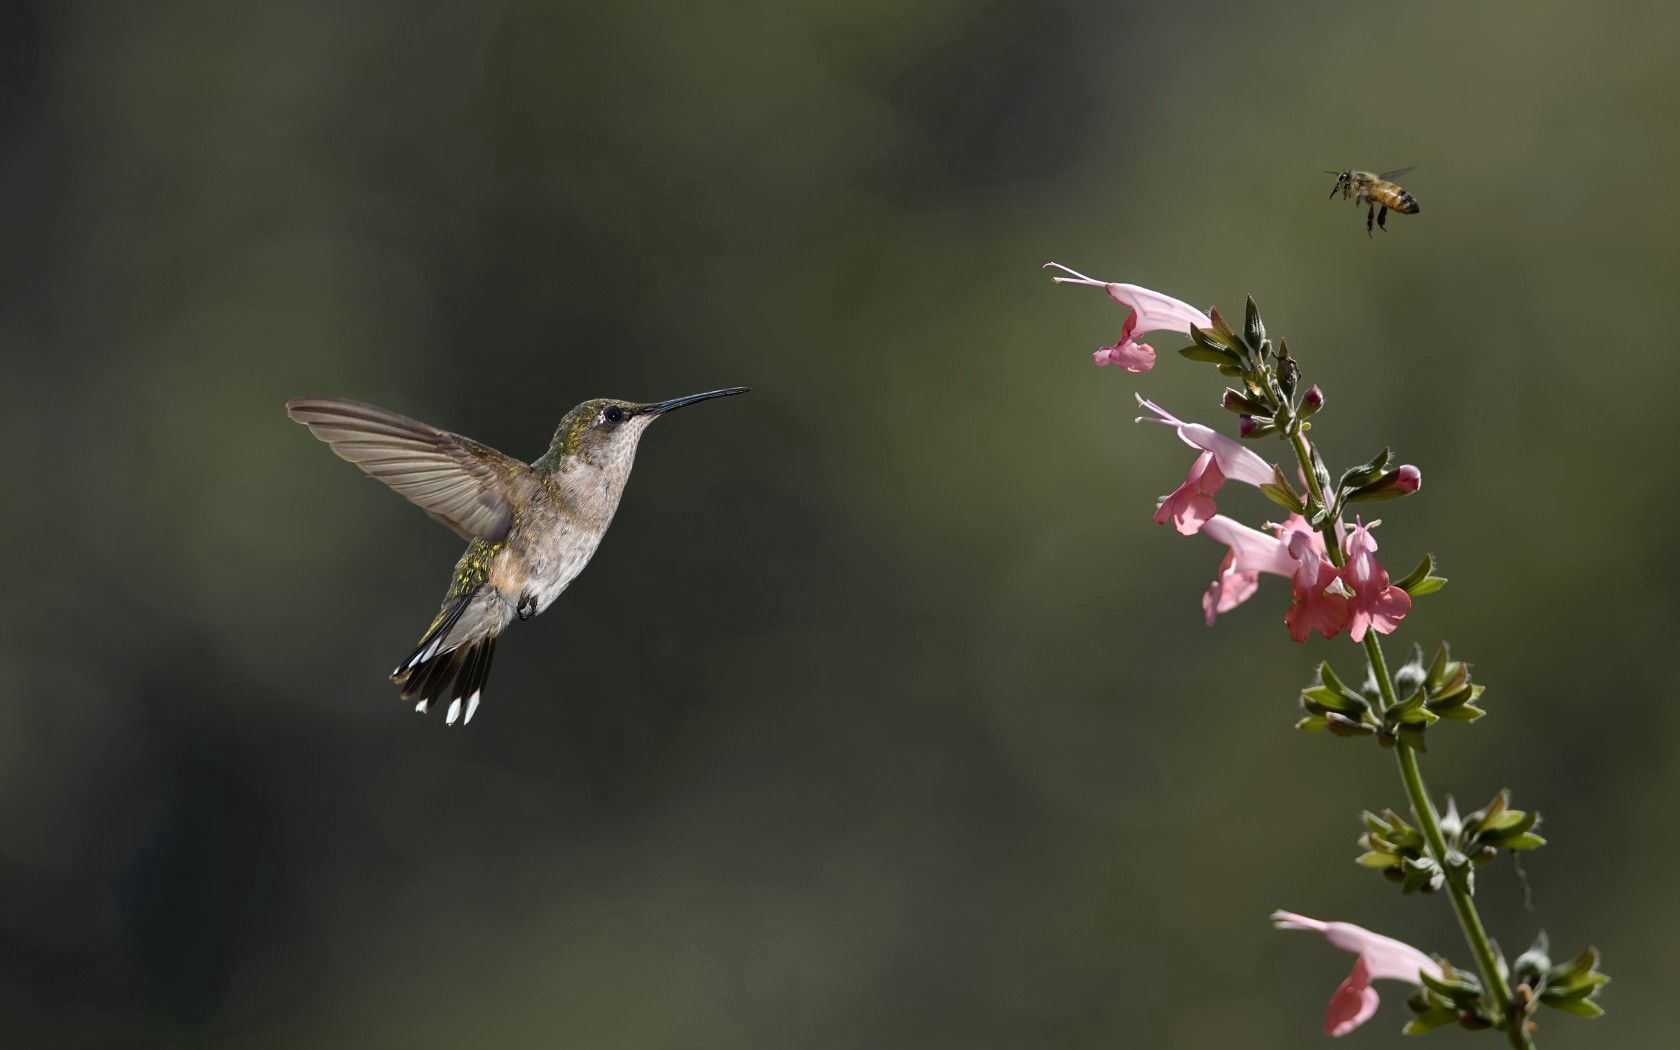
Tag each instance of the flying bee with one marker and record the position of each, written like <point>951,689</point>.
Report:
<point>1376,192</point>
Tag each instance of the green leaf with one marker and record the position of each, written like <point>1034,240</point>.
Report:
<point>1427,585</point>
<point>1527,840</point>
<point>1313,724</point>
<point>1374,859</point>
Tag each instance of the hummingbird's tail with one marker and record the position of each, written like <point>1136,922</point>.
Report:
<point>431,672</point>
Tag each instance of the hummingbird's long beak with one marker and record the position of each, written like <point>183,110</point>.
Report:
<point>678,402</point>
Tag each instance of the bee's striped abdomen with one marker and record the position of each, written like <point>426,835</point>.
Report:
<point>1394,198</point>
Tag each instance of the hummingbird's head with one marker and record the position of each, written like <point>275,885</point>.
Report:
<point>604,432</point>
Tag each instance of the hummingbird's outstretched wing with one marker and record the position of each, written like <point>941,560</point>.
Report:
<point>455,479</point>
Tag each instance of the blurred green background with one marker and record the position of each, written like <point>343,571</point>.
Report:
<point>884,717</point>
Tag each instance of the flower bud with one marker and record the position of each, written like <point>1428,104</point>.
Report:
<point>1288,373</point>
<point>1311,401</point>
<point>1247,427</point>
<point>1240,403</point>
<point>1392,484</point>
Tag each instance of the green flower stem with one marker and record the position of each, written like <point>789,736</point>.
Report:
<point>1475,934</point>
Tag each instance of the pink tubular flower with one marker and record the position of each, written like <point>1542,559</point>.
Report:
<point>1151,311</point>
<point>1318,602</point>
<point>1191,504</point>
<point>1250,553</point>
<point>1229,589</point>
<point>1377,605</point>
<point>1380,959</point>
<point>1319,599</point>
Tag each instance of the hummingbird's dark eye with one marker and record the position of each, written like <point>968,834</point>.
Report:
<point>613,414</point>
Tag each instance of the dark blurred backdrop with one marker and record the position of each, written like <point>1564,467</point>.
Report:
<point>884,717</point>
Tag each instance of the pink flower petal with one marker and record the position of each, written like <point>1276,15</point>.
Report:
<point>1130,356</point>
<point>1191,504</point>
<point>1254,550</point>
<point>1229,589</point>
<point>1155,311</point>
<point>1353,1003</point>
<point>1376,605</point>
<point>1236,460</point>
<point>1380,958</point>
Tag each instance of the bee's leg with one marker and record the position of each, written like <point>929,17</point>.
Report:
<point>1369,212</point>
<point>1382,219</point>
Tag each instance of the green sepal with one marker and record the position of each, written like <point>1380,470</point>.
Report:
<point>1254,329</point>
<point>1422,580</point>
<point>1242,404</point>
<point>1369,494</point>
<point>1283,496</point>
<point>1342,725</point>
<point>1553,996</point>
<point>1579,1007</point>
<point>1528,840</point>
<point>1413,736</point>
<point>1374,859</point>
<point>1465,991</point>
<point>1212,355</point>
<point>1313,724</point>
<point>1433,1018</point>
<point>1321,699</point>
<point>1222,330</point>
<point>1576,969</point>
<point>1365,473</point>
<point>1343,698</point>
<point>1421,873</point>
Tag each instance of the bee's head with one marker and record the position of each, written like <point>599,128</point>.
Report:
<point>1342,179</point>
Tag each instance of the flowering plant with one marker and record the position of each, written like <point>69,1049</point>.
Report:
<point>1337,586</point>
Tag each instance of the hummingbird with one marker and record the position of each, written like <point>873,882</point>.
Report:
<point>530,527</point>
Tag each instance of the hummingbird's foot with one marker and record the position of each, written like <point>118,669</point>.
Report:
<point>527,606</point>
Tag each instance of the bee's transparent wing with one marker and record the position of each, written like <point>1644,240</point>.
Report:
<point>1397,172</point>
